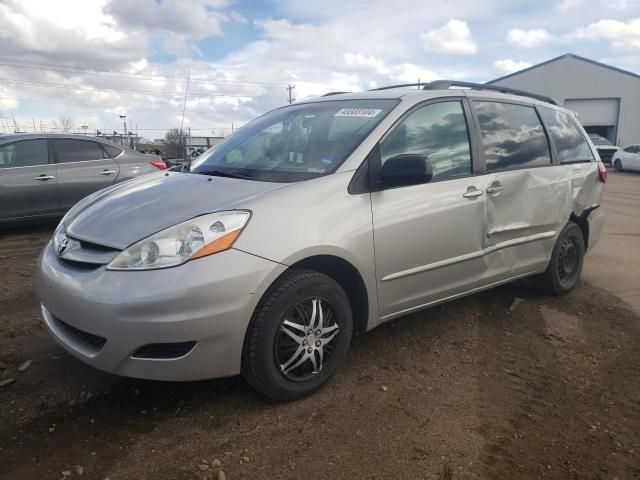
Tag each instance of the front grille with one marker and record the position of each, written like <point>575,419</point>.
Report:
<point>86,255</point>
<point>164,350</point>
<point>91,341</point>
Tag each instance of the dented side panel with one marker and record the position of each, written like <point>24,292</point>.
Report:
<point>525,218</point>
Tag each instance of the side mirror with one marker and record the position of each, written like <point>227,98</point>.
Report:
<point>405,170</point>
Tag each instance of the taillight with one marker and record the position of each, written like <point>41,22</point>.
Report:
<point>159,164</point>
<point>602,172</point>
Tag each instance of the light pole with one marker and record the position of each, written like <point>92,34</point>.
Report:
<point>124,123</point>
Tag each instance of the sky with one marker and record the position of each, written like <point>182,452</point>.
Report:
<point>94,60</point>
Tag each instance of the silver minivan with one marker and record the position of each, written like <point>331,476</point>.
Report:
<point>319,221</point>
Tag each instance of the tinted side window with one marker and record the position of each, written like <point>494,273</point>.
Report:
<point>438,131</point>
<point>68,150</point>
<point>570,143</point>
<point>111,151</point>
<point>24,154</point>
<point>512,136</point>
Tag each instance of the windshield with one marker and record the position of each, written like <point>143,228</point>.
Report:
<point>295,143</point>
<point>598,140</point>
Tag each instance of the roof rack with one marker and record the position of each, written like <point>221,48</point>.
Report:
<point>446,84</point>
<point>402,85</point>
<point>333,93</point>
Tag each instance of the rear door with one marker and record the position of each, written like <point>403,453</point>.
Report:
<point>28,180</point>
<point>82,169</point>
<point>527,196</point>
<point>428,237</point>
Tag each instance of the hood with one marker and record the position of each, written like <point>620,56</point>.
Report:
<point>123,214</point>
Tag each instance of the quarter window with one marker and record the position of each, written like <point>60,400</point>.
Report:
<point>111,151</point>
<point>512,136</point>
<point>68,150</point>
<point>438,131</point>
<point>24,153</point>
<point>570,143</point>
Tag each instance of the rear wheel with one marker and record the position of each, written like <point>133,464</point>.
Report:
<point>563,273</point>
<point>300,333</point>
<point>617,165</point>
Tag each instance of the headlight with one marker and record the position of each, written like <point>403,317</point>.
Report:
<point>176,245</point>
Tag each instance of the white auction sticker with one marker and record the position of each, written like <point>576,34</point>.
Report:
<point>358,112</point>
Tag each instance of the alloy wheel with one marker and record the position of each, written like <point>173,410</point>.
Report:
<point>305,339</point>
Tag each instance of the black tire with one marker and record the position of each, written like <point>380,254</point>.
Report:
<point>263,346</point>
<point>617,165</point>
<point>563,273</point>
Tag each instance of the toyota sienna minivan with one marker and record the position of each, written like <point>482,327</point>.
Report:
<point>319,221</point>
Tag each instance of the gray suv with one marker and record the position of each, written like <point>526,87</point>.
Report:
<point>319,221</point>
<point>45,175</point>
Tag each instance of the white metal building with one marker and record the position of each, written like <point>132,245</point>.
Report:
<point>606,98</point>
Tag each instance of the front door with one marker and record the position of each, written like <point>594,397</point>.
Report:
<point>428,238</point>
<point>28,182</point>
<point>82,169</point>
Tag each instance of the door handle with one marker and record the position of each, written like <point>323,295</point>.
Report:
<point>108,172</point>
<point>495,189</point>
<point>472,192</point>
<point>44,178</point>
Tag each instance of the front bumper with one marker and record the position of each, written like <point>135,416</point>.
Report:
<point>208,301</point>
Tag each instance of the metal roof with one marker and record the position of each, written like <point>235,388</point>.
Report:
<point>561,57</point>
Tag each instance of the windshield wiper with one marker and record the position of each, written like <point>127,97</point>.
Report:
<point>226,173</point>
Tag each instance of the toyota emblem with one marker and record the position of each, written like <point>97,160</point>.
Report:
<point>62,246</point>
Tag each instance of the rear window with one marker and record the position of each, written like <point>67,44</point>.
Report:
<point>71,150</point>
<point>571,144</point>
<point>512,136</point>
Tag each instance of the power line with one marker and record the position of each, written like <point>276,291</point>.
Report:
<point>89,107</point>
<point>120,74</point>
<point>126,90</point>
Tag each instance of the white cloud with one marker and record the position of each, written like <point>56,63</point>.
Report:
<point>238,18</point>
<point>452,38</point>
<point>507,66</point>
<point>64,29</point>
<point>528,38</point>
<point>621,35</point>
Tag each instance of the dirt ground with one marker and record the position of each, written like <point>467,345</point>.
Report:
<point>472,389</point>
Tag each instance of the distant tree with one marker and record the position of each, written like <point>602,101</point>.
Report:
<point>64,124</point>
<point>175,142</point>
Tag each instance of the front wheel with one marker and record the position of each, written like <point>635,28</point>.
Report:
<point>617,165</point>
<point>300,333</point>
<point>563,273</point>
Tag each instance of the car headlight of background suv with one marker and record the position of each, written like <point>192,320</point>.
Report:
<point>195,238</point>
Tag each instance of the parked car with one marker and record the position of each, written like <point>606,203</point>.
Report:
<point>44,175</point>
<point>604,147</point>
<point>627,158</point>
<point>318,221</point>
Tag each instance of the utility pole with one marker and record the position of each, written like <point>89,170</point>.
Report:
<point>124,123</point>
<point>290,87</point>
